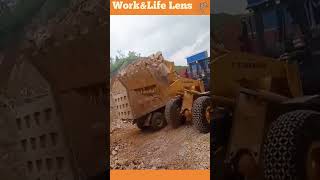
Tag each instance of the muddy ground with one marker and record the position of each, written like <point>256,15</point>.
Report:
<point>182,148</point>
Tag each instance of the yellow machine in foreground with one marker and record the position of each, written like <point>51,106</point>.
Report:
<point>262,126</point>
<point>142,90</point>
<point>179,109</point>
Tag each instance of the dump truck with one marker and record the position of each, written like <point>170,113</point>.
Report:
<point>142,89</point>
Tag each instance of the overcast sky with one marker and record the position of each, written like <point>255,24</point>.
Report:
<point>175,36</point>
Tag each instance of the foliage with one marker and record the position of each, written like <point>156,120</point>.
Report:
<point>180,68</point>
<point>121,60</point>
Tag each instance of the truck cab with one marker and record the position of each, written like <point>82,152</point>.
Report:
<point>198,67</point>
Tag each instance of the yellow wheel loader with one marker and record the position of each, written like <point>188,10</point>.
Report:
<point>179,108</point>
<point>269,129</point>
<point>262,125</point>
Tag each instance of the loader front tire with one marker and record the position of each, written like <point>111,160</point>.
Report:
<point>199,110</point>
<point>292,147</point>
<point>172,112</point>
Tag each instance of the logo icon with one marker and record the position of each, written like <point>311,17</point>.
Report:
<point>203,6</point>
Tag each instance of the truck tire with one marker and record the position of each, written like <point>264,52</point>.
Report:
<point>158,121</point>
<point>172,112</point>
<point>289,146</point>
<point>140,123</point>
<point>199,108</point>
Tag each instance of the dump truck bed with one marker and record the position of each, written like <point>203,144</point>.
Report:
<point>141,87</point>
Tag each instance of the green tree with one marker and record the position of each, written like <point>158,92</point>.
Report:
<point>112,60</point>
<point>121,60</point>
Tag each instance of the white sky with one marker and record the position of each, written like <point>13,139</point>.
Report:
<point>175,36</point>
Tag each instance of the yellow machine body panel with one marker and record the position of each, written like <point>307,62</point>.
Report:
<point>232,70</point>
<point>254,85</point>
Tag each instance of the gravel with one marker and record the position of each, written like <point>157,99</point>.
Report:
<point>182,148</point>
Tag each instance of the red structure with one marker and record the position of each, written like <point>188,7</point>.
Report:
<point>184,73</point>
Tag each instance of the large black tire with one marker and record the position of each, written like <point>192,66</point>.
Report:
<point>140,123</point>
<point>198,113</point>
<point>172,113</point>
<point>287,144</point>
<point>158,121</point>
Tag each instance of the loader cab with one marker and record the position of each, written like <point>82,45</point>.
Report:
<point>285,26</point>
<point>269,26</point>
<point>273,26</point>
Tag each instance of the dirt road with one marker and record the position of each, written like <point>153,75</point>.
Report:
<point>182,148</point>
